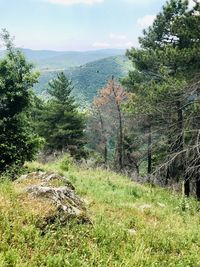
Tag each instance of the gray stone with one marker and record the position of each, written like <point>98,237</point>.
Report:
<point>67,204</point>
<point>132,231</point>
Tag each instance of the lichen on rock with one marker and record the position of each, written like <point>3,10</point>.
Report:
<point>57,192</point>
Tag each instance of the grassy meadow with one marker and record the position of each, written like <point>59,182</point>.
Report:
<point>133,225</point>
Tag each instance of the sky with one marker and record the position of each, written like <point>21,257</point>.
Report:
<point>77,25</point>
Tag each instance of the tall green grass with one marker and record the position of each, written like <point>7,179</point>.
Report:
<point>133,225</point>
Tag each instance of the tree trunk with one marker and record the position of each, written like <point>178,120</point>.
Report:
<point>120,140</point>
<point>105,151</point>
<point>198,189</point>
<point>149,150</point>
<point>180,147</point>
<point>187,187</point>
<point>180,143</point>
<point>103,137</point>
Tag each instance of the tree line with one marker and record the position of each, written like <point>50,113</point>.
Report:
<point>27,123</point>
<point>160,102</point>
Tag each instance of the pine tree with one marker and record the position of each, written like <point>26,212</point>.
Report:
<point>166,63</point>
<point>172,41</point>
<point>62,125</point>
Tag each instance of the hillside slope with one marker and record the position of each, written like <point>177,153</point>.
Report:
<point>88,79</point>
<point>133,225</point>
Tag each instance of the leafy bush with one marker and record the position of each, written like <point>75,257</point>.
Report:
<point>66,162</point>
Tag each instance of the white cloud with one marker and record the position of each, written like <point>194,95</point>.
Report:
<point>114,36</point>
<point>146,21</point>
<point>129,44</point>
<point>123,45</point>
<point>74,2</point>
<point>101,44</point>
<point>192,3</point>
<point>140,2</point>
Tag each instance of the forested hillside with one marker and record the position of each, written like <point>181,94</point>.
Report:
<point>88,79</point>
<point>89,71</point>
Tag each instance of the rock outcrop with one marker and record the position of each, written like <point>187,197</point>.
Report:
<point>55,193</point>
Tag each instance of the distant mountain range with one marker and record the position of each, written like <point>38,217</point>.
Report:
<point>89,71</point>
<point>52,60</point>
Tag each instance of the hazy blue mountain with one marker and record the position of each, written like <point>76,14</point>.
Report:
<point>89,71</point>
<point>89,78</point>
<point>52,60</point>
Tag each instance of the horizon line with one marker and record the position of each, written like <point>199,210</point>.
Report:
<point>80,51</point>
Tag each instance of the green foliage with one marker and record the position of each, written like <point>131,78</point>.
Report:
<point>66,162</point>
<point>172,41</point>
<point>60,123</point>
<point>18,143</point>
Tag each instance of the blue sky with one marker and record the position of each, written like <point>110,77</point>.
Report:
<point>77,24</point>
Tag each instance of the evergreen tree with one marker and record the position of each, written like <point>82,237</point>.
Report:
<point>166,63</point>
<point>173,41</point>
<point>18,143</point>
<point>61,124</point>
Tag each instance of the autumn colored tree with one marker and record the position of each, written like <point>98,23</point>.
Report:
<point>108,106</point>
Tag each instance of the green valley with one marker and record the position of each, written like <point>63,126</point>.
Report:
<point>89,78</point>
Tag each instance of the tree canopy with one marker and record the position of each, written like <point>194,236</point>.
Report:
<point>18,143</point>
